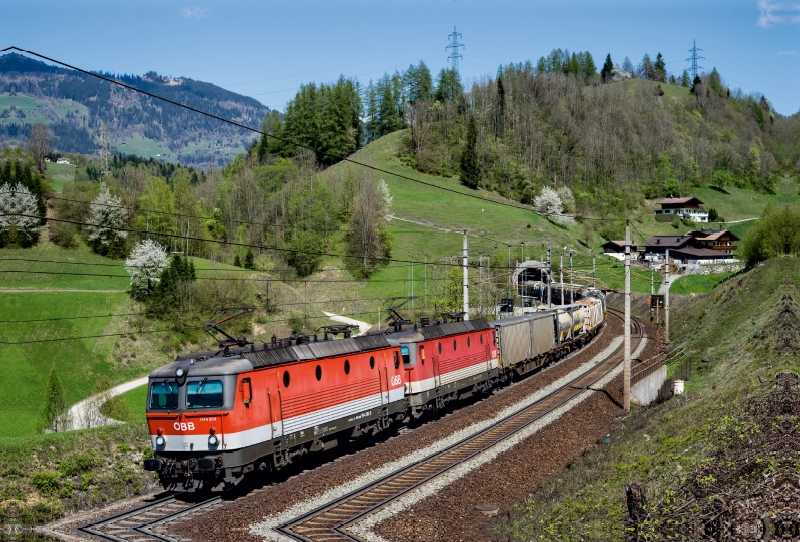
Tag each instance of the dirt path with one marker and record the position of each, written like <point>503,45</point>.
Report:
<point>31,291</point>
<point>363,327</point>
<point>86,414</point>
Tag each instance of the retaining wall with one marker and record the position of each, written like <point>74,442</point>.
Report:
<point>646,390</point>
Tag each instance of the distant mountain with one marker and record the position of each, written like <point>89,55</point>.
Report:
<point>75,105</point>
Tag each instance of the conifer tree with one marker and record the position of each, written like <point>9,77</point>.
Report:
<point>697,81</point>
<point>470,170</point>
<point>55,415</point>
<point>501,106</point>
<point>249,260</point>
<point>685,81</point>
<point>608,70</point>
<point>236,261</point>
<point>627,66</point>
<point>589,67</point>
<point>660,69</point>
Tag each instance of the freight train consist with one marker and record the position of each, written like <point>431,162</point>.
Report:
<point>215,416</point>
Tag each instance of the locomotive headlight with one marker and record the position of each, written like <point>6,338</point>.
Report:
<point>213,440</point>
<point>179,372</point>
<point>160,441</point>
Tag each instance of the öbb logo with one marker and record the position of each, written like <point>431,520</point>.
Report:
<point>183,426</point>
<point>397,380</point>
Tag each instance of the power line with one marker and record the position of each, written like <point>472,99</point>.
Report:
<point>299,145</point>
<point>238,221</point>
<point>220,242</point>
<point>126,314</point>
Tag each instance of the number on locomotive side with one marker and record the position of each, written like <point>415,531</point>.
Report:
<point>397,380</point>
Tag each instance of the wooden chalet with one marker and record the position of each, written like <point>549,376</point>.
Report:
<point>719,240</point>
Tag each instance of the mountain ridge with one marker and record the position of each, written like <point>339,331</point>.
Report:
<point>76,104</point>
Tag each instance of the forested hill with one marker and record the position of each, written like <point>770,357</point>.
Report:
<point>75,104</point>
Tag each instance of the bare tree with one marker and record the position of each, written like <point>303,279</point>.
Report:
<point>368,243</point>
<point>40,143</point>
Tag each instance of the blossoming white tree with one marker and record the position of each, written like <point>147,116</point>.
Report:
<point>548,204</point>
<point>18,221</point>
<point>146,263</point>
<point>107,216</point>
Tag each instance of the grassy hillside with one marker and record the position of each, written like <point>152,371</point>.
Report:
<point>60,174</point>
<point>740,328</point>
<point>26,109</point>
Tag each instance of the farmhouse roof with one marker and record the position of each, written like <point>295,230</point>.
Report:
<point>668,241</point>
<point>712,235</point>
<point>680,201</point>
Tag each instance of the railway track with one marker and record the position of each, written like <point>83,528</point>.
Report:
<point>143,524</point>
<point>332,522</point>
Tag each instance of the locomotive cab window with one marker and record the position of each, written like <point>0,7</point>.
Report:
<point>164,396</point>
<point>396,360</point>
<point>204,394</point>
<point>404,350</point>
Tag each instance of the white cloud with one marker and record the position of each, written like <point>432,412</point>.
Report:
<point>194,13</point>
<point>772,13</point>
<point>787,53</point>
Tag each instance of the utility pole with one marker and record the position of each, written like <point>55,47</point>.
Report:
<point>693,59</point>
<point>561,278</point>
<point>480,282</point>
<point>594,272</point>
<point>466,279</point>
<point>425,275</point>
<point>626,378</point>
<point>652,290</point>
<point>571,281</point>
<point>508,282</point>
<point>412,283</point>
<point>666,297</point>
<point>549,281</point>
<point>455,56</point>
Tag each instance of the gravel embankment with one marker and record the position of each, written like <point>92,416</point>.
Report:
<point>509,477</point>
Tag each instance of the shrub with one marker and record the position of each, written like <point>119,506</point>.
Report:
<point>75,465</point>
<point>63,234</point>
<point>46,481</point>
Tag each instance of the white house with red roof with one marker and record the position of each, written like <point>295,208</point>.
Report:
<point>684,208</point>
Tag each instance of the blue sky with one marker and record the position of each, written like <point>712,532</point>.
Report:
<point>266,49</point>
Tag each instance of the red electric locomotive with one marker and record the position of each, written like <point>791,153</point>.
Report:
<point>215,416</point>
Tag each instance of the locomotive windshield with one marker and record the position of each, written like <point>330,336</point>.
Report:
<point>406,352</point>
<point>164,396</point>
<point>204,394</point>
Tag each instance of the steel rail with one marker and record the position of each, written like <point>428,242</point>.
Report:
<point>330,522</point>
<point>131,525</point>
